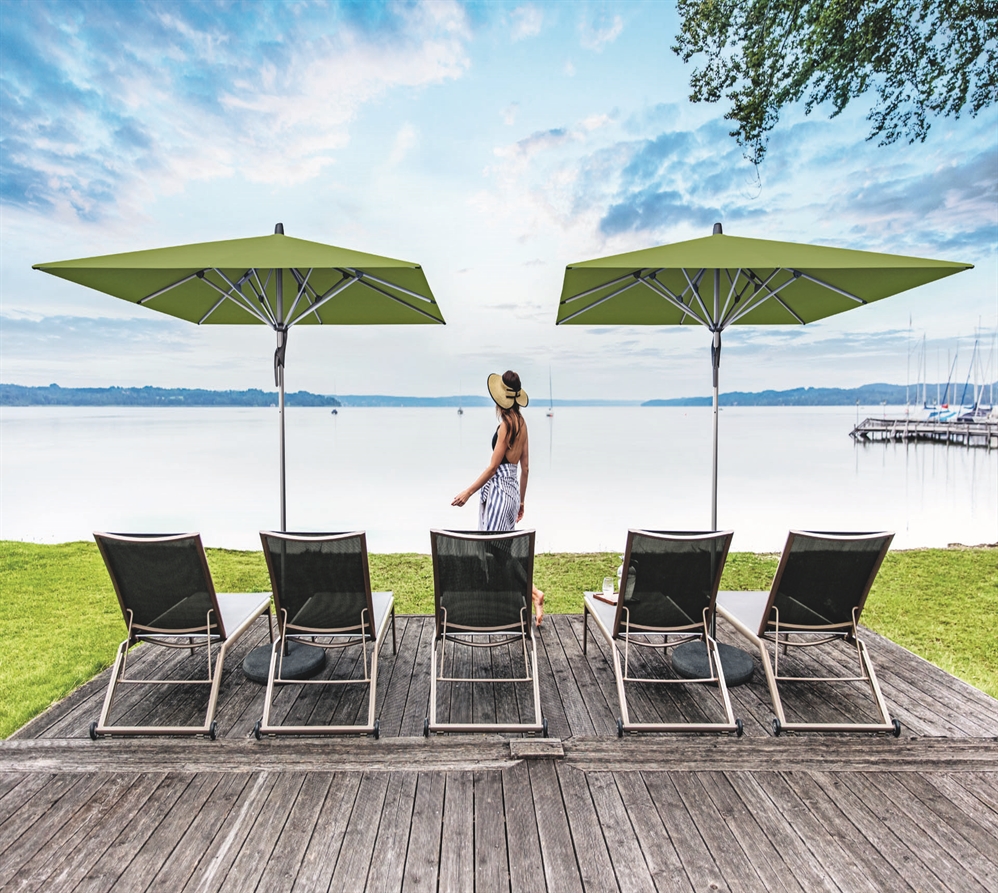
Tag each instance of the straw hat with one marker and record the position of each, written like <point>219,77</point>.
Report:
<point>505,396</point>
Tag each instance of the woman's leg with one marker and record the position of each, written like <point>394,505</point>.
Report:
<point>538,599</point>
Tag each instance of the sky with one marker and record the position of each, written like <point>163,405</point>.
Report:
<point>492,143</point>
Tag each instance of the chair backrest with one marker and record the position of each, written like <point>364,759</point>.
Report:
<point>669,578</point>
<point>322,580</point>
<point>483,580</point>
<point>823,576</point>
<point>163,579</point>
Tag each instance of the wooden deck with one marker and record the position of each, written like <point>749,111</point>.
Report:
<point>488,812</point>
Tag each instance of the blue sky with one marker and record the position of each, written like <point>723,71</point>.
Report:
<point>493,144</point>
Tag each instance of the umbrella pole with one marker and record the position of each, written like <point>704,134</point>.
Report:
<point>715,359</point>
<point>282,344</point>
<point>280,412</point>
<point>715,362</point>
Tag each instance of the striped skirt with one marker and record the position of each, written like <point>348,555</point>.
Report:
<point>500,503</point>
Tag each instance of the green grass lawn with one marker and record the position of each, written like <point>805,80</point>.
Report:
<point>61,624</point>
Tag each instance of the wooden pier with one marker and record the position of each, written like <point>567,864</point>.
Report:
<point>978,433</point>
<point>581,811</point>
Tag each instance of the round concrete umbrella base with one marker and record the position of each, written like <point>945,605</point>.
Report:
<point>690,662</point>
<point>301,662</point>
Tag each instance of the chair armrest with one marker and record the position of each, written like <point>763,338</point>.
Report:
<point>240,609</point>
<point>745,611</point>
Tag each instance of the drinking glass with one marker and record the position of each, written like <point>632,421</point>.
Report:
<point>608,587</point>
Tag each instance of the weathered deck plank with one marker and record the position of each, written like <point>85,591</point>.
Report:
<point>899,841</point>
<point>837,813</point>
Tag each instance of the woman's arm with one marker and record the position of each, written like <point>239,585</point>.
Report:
<point>524,473</point>
<point>497,456</point>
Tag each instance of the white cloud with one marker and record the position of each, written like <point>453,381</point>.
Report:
<point>129,132</point>
<point>527,21</point>
<point>405,139</point>
<point>509,113</point>
<point>569,69</point>
<point>596,35</point>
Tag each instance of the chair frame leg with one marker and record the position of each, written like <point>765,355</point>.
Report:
<point>730,724</point>
<point>265,727</point>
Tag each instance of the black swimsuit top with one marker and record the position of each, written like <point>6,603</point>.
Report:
<point>495,438</point>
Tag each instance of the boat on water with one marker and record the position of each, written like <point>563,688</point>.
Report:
<point>460,411</point>
<point>550,412</point>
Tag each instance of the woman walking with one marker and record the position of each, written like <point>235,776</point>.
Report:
<point>502,501</point>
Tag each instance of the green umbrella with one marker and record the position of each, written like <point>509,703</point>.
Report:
<point>721,281</point>
<point>273,280</point>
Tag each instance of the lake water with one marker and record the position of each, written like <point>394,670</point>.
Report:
<point>67,471</point>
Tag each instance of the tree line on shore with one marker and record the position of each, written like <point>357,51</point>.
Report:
<point>53,395</point>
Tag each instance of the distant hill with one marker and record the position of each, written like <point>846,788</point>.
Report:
<point>53,395</point>
<point>868,394</point>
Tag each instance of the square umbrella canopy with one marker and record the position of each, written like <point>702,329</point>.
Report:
<point>274,281</point>
<point>720,281</point>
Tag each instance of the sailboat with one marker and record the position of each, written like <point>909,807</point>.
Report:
<point>550,412</point>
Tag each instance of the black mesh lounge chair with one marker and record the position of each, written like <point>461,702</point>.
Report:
<point>817,597</point>
<point>482,585</point>
<point>322,595</point>
<point>167,598</point>
<point>668,589</point>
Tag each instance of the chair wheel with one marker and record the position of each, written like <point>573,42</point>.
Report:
<point>544,727</point>
<point>739,728</point>
<point>897,727</point>
<point>620,727</point>
<point>256,730</point>
<point>777,728</point>
<point>377,729</point>
<point>93,731</point>
<point>213,730</point>
<point>426,727</point>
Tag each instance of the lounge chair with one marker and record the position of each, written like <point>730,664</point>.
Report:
<point>482,586</point>
<point>816,599</point>
<point>167,598</point>
<point>322,595</point>
<point>668,588</point>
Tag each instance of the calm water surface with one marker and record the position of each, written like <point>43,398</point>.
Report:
<point>67,471</point>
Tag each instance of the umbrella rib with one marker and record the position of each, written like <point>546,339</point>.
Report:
<point>748,282</point>
<point>262,293</point>
<point>731,291</point>
<point>214,307</point>
<point>770,293</point>
<point>761,287</point>
<point>381,291</point>
<point>302,284</point>
<point>248,308</point>
<point>786,307</point>
<point>844,294</point>
<point>315,300</point>
<point>696,294</point>
<point>260,297</point>
<point>664,291</point>
<point>591,291</point>
<point>236,288</point>
<point>678,300</point>
<point>612,294</point>
<point>328,296</point>
<point>360,274</point>
<point>243,301</point>
<point>167,288</point>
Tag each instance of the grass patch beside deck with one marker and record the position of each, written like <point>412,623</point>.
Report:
<point>61,624</point>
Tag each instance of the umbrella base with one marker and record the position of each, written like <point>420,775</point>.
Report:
<point>301,662</point>
<point>690,662</point>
